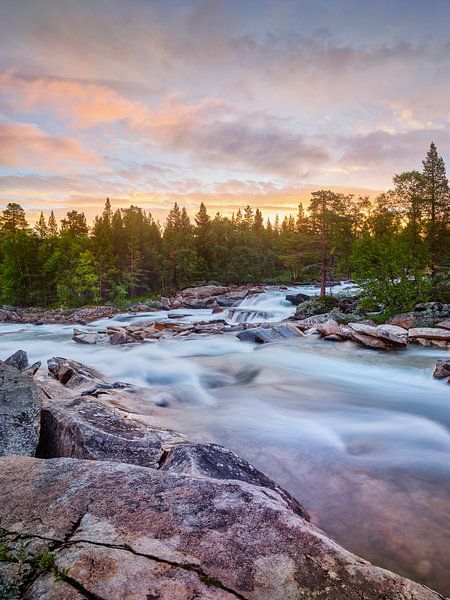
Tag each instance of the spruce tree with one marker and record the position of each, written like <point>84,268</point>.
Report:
<point>436,199</point>
<point>41,227</point>
<point>52,225</point>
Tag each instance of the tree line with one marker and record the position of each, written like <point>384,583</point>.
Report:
<point>397,247</point>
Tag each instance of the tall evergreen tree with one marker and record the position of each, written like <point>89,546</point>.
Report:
<point>436,199</point>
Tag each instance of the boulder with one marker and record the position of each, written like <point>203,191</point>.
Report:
<point>405,320</point>
<point>33,369</point>
<point>18,360</point>
<point>443,325</point>
<point>91,429</point>
<point>125,531</point>
<point>121,336</point>
<point>429,333</point>
<point>231,298</point>
<point>261,335</point>
<point>194,302</point>
<point>213,460</point>
<point>330,330</point>
<point>313,321</point>
<point>371,342</point>
<point>442,368</point>
<point>20,407</point>
<point>383,337</point>
<point>204,291</point>
<point>71,373</point>
<point>297,298</point>
<point>88,337</point>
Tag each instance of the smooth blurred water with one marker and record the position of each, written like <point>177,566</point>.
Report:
<point>361,437</point>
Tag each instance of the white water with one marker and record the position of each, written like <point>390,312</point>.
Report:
<point>360,437</point>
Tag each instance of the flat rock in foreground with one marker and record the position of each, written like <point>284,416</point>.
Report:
<point>89,428</point>
<point>20,407</point>
<point>124,531</point>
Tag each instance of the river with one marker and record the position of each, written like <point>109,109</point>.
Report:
<point>360,437</point>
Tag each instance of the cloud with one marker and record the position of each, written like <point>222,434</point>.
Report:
<point>84,104</point>
<point>24,145</point>
<point>213,131</point>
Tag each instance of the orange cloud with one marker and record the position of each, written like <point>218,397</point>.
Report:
<point>24,145</point>
<point>85,104</point>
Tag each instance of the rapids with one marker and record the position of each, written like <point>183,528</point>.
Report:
<point>360,437</point>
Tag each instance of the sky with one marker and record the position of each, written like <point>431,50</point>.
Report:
<point>230,102</point>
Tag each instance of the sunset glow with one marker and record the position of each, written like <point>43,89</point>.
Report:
<point>230,103</point>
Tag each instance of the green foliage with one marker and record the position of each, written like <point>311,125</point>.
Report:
<point>388,274</point>
<point>390,245</point>
<point>317,306</point>
<point>26,565</point>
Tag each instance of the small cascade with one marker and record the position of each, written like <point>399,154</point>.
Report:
<point>258,308</point>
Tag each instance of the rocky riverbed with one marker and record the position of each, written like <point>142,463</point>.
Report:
<point>128,510</point>
<point>358,435</point>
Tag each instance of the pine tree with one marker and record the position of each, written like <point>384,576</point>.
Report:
<point>436,200</point>
<point>41,227</point>
<point>13,218</point>
<point>75,223</point>
<point>52,225</point>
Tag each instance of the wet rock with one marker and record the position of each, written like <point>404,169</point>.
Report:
<point>330,330</point>
<point>287,330</point>
<point>88,337</point>
<point>261,335</point>
<point>231,298</point>
<point>33,369</point>
<point>71,373</point>
<point>297,298</point>
<point>383,337</point>
<point>429,333</point>
<point>313,321</point>
<point>18,360</point>
<point>91,429</point>
<point>127,531</point>
<point>194,302</point>
<point>442,368</point>
<point>121,336</point>
<point>213,460</point>
<point>20,407</point>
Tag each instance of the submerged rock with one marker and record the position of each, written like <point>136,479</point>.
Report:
<point>124,531</point>
<point>20,407</point>
<point>297,298</point>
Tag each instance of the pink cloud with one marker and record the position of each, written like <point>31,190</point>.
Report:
<point>24,145</point>
<point>84,104</point>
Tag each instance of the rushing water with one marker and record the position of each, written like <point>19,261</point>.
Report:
<point>360,437</point>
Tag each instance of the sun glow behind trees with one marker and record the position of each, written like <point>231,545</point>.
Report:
<point>390,246</point>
